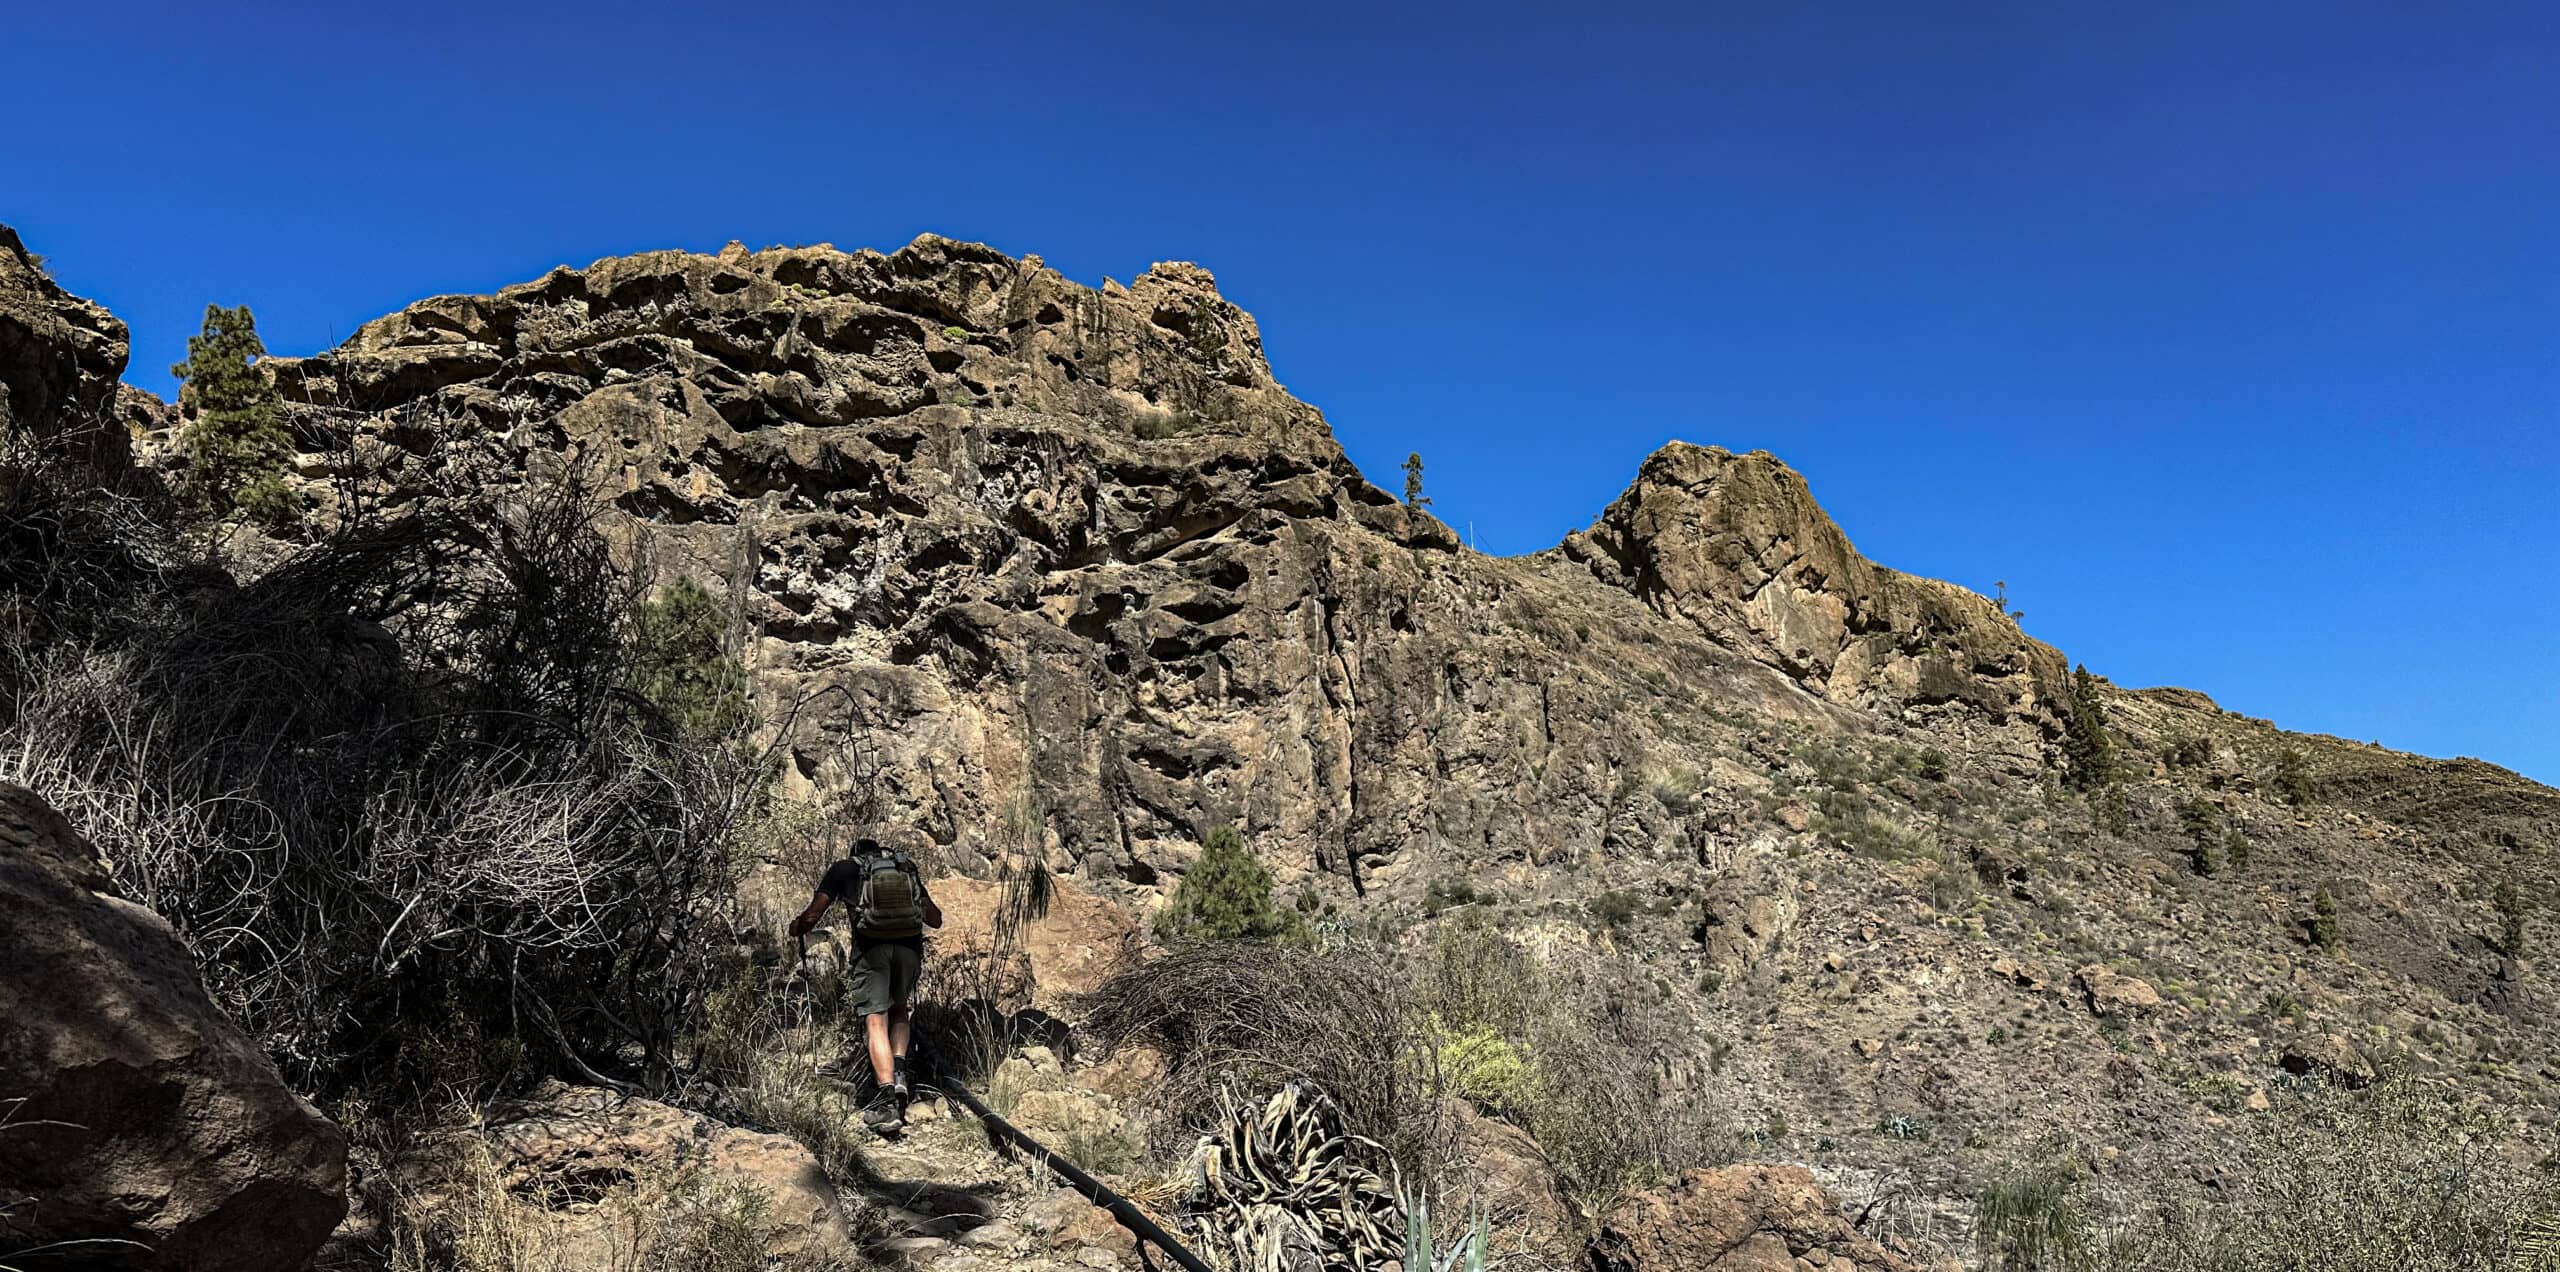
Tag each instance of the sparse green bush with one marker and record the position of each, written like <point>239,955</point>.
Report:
<point>1226,896</point>
<point>2293,776</point>
<point>2203,824</point>
<point>2186,750</point>
<point>236,442</point>
<point>682,664</point>
<point>1675,789</point>
<point>2110,809</point>
<point>1933,764</point>
<point>1482,1066</point>
<point>2032,1219</point>
<point>1875,835</point>
<point>1102,1150</point>
<point>1590,1051</point>
<point>1952,888</point>
<point>1445,895</point>
<point>1613,909</point>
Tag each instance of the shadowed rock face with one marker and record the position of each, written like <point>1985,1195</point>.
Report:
<point>1012,542</point>
<point>60,356</point>
<point>138,1118</point>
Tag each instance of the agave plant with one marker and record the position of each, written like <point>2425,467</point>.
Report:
<point>1420,1252</point>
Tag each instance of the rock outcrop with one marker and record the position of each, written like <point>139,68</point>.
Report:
<point>1747,1218</point>
<point>1019,545</point>
<point>60,357</point>
<point>1737,545</point>
<point>1054,960</point>
<point>134,1118</point>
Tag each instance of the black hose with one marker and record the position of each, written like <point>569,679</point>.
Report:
<point>1130,1217</point>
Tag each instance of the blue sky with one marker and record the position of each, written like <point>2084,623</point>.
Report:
<point>2227,334</point>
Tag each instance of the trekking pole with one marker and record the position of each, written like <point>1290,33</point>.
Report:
<point>1094,1190</point>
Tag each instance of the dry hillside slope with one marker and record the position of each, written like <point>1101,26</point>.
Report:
<point>1022,557</point>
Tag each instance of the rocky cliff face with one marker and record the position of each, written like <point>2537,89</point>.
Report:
<point>1017,543</point>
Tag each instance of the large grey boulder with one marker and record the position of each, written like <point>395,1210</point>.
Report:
<point>139,1122</point>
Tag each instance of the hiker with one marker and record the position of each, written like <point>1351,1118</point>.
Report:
<point>891,910</point>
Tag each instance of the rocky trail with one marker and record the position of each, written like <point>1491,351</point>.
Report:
<point>949,1200</point>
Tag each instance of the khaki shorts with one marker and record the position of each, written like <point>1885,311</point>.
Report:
<point>884,973</point>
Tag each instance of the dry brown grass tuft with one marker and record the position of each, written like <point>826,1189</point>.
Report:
<point>462,1217</point>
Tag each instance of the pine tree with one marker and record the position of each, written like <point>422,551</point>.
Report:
<point>1413,496</point>
<point>2512,910</point>
<point>680,663</point>
<point>2322,926</point>
<point>1226,896</point>
<point>236,442</point>
<point>2088,753</point>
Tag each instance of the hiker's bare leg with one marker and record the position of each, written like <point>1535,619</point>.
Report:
<point>876,1027</point>
<point>901,1022</point>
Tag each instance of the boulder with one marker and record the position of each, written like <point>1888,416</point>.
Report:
<point>1065,1219</point>
<point>1753,1217</point>
<point>132,1113</point>
<point>2327,1056</point>
<point>2112,993</point>
<point>1741,921</point>
<point>1055,1114</point>
<point>1065,954</point>
<point>1509,1177</point>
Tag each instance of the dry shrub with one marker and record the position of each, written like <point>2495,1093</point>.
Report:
<point>1258,1018</point>
<point>1591,1072</point>
<point>395,788</point>
<point>462,1217</point>
<point>1606,1083</point>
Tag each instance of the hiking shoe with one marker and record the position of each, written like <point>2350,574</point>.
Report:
<point>884,1114</point>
